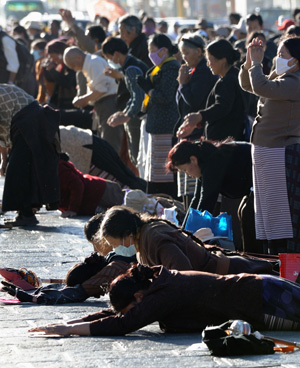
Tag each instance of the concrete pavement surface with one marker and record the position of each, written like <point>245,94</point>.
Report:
<point>50,249</point>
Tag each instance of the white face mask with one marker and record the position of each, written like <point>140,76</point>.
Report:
<point>282,65</point>
<point>114,65</point>
<point>121,250</point>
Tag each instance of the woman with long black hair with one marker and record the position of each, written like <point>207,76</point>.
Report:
<point>220,167</point>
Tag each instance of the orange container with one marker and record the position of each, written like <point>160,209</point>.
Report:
<point>289,265</point>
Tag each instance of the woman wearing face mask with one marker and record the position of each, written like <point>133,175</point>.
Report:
<point>156,241</point>
<point>38,52</point>
<point>276,144</point>
<point>160,86</point>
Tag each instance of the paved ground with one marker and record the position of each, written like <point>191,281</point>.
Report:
<point>50,249</point>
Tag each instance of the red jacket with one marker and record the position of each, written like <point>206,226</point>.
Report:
<point>79,193</point>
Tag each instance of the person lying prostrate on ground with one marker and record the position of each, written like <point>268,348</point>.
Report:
<point>86,149</point>
<point>157,241</point>
<point>83,194</point>
<point>90,278</point>
<point>185,301</point>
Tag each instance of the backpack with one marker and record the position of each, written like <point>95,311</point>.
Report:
<point>26,60</point>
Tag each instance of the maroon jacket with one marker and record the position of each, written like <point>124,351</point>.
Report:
<point>187,301</point>
<point>79,193</point>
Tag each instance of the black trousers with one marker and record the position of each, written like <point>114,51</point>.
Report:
<point>17,195</point>
<point>247,221</point>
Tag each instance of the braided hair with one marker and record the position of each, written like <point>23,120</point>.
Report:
<point>123,288</point>
<point>85,270</point>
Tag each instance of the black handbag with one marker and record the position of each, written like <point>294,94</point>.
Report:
<point>221,344</point>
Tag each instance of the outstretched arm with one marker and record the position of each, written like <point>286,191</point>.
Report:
<point>79,326</point>
<point>47,295</point>
<point>81,329</point>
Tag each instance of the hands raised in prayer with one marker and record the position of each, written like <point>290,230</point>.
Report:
<point>189,124</point>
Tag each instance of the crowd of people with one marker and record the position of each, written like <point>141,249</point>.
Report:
<point>204,116</point>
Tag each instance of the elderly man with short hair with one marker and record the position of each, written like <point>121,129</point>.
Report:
<point>102,91</point>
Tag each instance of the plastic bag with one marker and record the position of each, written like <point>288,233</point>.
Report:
<point>220,225</point>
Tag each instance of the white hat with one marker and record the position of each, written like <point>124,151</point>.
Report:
<point>139,201</point>
<point>241,25</point>
<point>34,25</point>
<point>204,234</point>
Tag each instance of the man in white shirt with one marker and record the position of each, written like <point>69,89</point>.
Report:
<point>102,92</point>
<point>9,62</point>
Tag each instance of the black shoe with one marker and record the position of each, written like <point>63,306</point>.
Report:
<point>21,220</point>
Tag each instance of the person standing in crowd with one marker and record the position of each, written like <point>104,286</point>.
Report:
<point>102,91</point>
<point>54,31</point>
<point>19,33</point>
<point>276,144</point>
<point>130,28</point>
<point>160,87</point>
<point>44,88</point>
<point>9,61</point>
<point>254,23</point>
<point>31,175</point>
<point>117,53</point>
<point>224,114</point>
<point>195,83</point>
<point>234,18</point>
<point>195,79</point>
<point>162,27</point>
<point>174,34</point>
<point>89,40</point>
<point>34,29</point>
<point>64,79</point>
<point>149,26</point>
<point>103,22</point>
